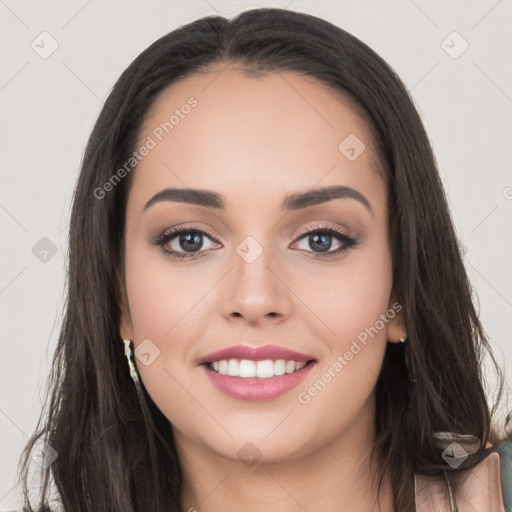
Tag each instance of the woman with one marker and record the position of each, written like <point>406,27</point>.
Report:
<point>267,304</point>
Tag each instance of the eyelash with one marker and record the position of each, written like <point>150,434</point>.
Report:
<point>168,235</point>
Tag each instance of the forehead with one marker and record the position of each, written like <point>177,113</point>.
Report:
<point>253,137</point>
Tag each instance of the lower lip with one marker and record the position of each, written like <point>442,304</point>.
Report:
<point>257,389</point>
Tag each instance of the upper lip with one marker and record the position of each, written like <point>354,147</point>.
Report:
<point>255,354</point>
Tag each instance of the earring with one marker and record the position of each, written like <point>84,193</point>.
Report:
<point>403,338</point>
<point>128,354</point>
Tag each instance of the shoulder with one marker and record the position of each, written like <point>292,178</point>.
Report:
<point>488,486</point>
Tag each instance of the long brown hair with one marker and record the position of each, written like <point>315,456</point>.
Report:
<point>116,452</point>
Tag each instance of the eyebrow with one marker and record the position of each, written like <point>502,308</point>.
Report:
<point>295,201</point>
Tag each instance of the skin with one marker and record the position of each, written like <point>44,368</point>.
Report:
<point>256,140</point>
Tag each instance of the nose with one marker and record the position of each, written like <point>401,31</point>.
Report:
<point>257,289</point>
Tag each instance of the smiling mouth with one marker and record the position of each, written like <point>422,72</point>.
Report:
<point>259,370</point>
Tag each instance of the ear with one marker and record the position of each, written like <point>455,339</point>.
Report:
<point>125,325</point>
<point>125,322</point>
<point>396,329</point>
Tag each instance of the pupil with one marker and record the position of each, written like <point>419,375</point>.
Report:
<point>188,240</point>
<point>317,239</point>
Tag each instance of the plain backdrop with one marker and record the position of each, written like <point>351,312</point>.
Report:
<point>453,56</point>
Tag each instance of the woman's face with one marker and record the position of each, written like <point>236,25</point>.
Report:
<point>255,279</point>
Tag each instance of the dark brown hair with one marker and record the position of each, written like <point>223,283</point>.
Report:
<point>116,451</point>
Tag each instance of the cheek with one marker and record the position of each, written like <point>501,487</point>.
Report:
<point>348,297</point>
<point>163,296</point>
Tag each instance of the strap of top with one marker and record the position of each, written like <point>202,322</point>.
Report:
<point>486,487</point>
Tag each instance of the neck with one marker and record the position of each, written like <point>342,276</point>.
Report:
<point>333,477</point>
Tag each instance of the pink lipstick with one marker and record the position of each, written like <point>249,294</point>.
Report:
<point>252,386</point>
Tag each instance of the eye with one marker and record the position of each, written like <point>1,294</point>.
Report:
<point>321,240</point>
<point>183,242</point>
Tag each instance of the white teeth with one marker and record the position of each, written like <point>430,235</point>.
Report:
<point>279,367</point>
<point>223,367</point>
<point>246,368</point>
<point>264,369</point>
<point>290,366</point>
<point>232,367</point>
